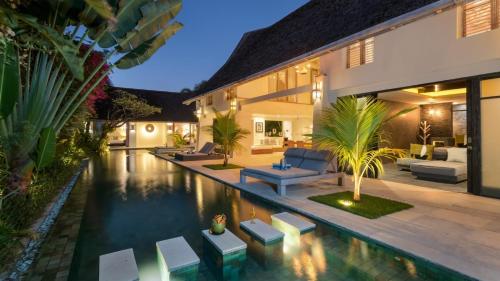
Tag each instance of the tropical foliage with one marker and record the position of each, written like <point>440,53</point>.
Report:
<point>122,107</point>
<point>352,129</point>
<point>227,133</point>
<point>49,66</point>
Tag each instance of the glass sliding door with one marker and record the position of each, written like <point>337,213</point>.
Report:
<point>490,137</point>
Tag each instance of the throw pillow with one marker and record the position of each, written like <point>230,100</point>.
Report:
<point>457,154</point>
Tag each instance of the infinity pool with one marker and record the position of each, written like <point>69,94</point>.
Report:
<point>136,199</point>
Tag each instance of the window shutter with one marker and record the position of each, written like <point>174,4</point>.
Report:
<point>478,16</point>
<point>369,50</point>
<point>354,55</point>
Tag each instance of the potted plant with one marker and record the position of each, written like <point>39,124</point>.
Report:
<point>218,224</point>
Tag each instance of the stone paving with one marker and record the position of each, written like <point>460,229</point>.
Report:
<point>54,260</point>
<point>457,230</point>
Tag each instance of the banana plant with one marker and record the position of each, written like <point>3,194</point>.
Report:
<point>42,82</point>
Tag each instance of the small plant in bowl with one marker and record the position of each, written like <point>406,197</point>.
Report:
<point>218,224</point>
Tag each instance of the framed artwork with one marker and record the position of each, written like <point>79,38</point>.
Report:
<point>259,127</point>
<point>274,128</point>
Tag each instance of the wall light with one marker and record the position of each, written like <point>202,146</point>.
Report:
<point>150,128</point>
<point>234,105</point>
<point>316,90</point>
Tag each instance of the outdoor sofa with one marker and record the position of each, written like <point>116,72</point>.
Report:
<point>207,152</point>
<point>307,165</point>
<point>452,169</point>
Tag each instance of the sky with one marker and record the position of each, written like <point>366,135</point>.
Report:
<point>212,29</point>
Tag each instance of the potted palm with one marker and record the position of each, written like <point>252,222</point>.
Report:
<point>352,129</point>
<point>227,133</point>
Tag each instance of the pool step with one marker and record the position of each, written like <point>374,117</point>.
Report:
<point>291,221</point>
<point>262,231</point>
<point>176,254</point>
<point>118,266</point>
<point>225,243</point>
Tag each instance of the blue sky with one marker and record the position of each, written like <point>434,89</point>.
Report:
<point>212,28</point>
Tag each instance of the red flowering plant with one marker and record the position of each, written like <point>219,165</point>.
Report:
<point>99,93</point>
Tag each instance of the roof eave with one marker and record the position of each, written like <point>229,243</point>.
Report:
<point>367,33</point>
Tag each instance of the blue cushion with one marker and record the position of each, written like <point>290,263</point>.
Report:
<point>316,160</point>
<point>294,156</point>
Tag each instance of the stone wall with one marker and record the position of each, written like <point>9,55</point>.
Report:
<point>440,117</point>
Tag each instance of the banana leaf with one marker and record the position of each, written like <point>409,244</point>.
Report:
<point>129,13</point>
<point>46,148</point>
<point>103,8</point>
<point>9,78</point>
<point>156,16</point>
<point>148,48</point>
<point>65,47</point>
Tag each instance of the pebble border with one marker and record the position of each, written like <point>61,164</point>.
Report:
<point>24,263</point>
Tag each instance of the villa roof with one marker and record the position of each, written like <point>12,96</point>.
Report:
<point>312,26</point>
<point>172,108</point>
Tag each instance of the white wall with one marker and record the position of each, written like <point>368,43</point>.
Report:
<point>424,51</point>
<point>150,139</point>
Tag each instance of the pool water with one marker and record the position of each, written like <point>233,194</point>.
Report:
<point>136,199</point>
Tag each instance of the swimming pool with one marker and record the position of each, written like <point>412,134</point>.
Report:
<point>135,199</point>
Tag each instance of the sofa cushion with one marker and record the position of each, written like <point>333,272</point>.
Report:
<point>207,148</point>
<point>457,154</point>
<point>281,174</point>
<point>294,156</point>
<point>442,168</point>
<point>440,153</point>
<point>405,162</point>
<point>316,160</point>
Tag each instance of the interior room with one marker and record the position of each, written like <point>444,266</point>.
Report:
<point>433,136</point>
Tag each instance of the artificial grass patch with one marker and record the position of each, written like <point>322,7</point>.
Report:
<point>371,207</point>
<point>222,167</point>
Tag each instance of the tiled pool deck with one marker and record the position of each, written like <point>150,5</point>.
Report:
<point>457,230</point>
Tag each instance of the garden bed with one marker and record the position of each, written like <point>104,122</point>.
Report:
<point>222,167</point>
<point>371,207</point>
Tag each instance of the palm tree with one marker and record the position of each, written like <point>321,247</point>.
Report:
<point>227,133</point>
<point>352,129</point>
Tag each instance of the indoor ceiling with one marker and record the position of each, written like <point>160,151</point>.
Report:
<point>407,96</point>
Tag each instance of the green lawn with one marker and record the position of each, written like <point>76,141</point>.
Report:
<point>221,167</point>
<point>369,207</point>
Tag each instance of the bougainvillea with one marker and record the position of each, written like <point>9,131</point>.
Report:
<point>99,93</point>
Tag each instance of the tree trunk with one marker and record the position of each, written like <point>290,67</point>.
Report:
<point>225,159</point>
<point>357,187</point>
<point>20,172</point>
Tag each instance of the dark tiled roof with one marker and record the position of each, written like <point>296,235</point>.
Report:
<point>312,26</point>
<point>172,108</point>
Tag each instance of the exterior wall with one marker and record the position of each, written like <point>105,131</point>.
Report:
<point>425,51</point>
<point>150,139</point>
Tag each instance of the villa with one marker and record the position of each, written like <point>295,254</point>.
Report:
<point>442,57</point>
<point>156,130</point>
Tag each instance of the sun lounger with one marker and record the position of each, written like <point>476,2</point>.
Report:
<point>205,153</point>
<point>307,165</point>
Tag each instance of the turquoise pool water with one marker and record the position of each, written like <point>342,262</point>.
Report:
<point>136,199</point>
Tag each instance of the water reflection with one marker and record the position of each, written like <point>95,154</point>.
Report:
<point>135,200</point>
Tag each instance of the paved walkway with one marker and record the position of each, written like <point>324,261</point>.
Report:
<point>457,230</point>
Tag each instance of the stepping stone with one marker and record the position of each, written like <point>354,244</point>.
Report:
<point>262,231</point>
<point>293,221</point>
<point>176,254</point>
<point>118,266</point>
<point>225,243</point>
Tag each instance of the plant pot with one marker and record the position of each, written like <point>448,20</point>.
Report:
<point>218,228</point>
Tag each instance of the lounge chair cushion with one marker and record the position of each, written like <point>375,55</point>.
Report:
<point>281,174</point>
<point>441,168</point>
<point>207,148</point>
<point>316,160</point>
<point>295,156</point>
<point>405,162</point>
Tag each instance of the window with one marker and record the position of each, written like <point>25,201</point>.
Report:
<point>361,52</point>
<point>231,94</point>
<point>210,100</point>
<point>480,16</point>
